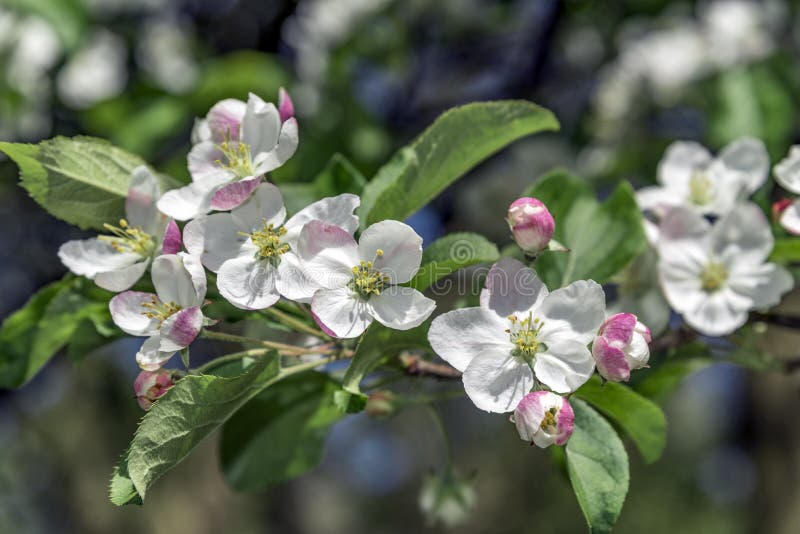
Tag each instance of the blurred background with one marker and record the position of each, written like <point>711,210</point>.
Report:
<point>625,78</point>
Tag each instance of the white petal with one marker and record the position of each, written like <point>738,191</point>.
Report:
<point>285,149</point>
<point>264,207</point>
<point>748,158</point>
<point>763,285</point>
<point>743,234</point>
<point>573,312</point>
<point>512,288</point>
<point>680,280</point>
<point>565,366</point>
<point>180,329</point>
<point>790,218</point>
<point>682,223</point>
<point>681,159</point>
<point>149,357</point>
<point>247,282</point>
<point>293,283</point>
<point>127,312</point>
<point>401,308</point>
<point>657,198</point>
<point>140,203</point>
<point>260,125</point>
<point>177,279</point>
<point>337,211</point>
<point>224,120</point>
<point>328,254</point>
<point>459,335</point>
<point>88,257</point>
<point>123,278</point>
<point>187,202</point>
<point>401,246</point>
<point>496,381</point>
<point>215,238</point>
<point>716,315</point>
<point>203,163</point>
<point>340,312</point>
<point>787,171</point>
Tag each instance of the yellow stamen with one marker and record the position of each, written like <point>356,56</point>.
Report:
<point>123,238</point>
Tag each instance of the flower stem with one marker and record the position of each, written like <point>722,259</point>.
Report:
<point>295,323</point>
<point>283,348</point>
<point>439,424</point>
<point>213,364</point>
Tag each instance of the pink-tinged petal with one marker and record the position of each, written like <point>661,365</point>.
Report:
<point>149,357</point>
<point>179,278</point>
<point>512,288</point>
<point>401,246</point>
<point>285,105</point>
<point>225,118</point>
<point>187,202</point>
<point>529,414</point>
<point>321,325</point>
<point>180,329</point>
<point>264,207</point>
<point>336,210</point>
<point>328,254</point>
<point>340,312</point>
<point>610,361</point>
<point>619,327</point>
<point>123,278</point>
<point>565,422</point>
<point>288,140</point>
<point>127,311</point>
<point>140,203</point>
<point>682,223</point>
<point>204,165</point>
<point>645,332</point>
<point>234,194</point>
<point>172,243</point>
<point>531,224</point>
<point>790,218</point>
<point>260,126</point>
<point>150,386</point>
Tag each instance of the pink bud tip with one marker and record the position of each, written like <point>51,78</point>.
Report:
<point>151,385</point>
<point>544,418</point>
<point>621,346</point>
<point>285,105</point>
<point>779,206</point>
<point>531,223</point>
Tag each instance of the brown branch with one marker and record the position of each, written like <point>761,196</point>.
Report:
<point>415,365</point>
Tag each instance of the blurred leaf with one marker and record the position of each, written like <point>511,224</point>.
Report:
<point>787,250</point>
<point>121,490</point>
<point>35,333</point>
<point>457,141</point>
<point>603,238</point>
<point>451,253</point>
<point>339,176</point>
<point>67,17</point>
<point>598,468</point>
<point>236,74</point>
<point>639,417</point>
<point>662,381</point>
<point>280,434</point>
<point>80,180</point>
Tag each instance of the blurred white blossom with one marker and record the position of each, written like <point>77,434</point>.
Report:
<point>96,72</point>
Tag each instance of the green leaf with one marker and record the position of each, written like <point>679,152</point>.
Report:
<point>662,381</point>
<point>639,417</point>
<point>80,180</point>
<point>67,17</point>
<point>457,141</point>
<point>35,333</point>
<point>451,253</point>
<point>603,238</point>
<point>185,416</point>
<point>339,176</point>
<point>121,490</point>
<point>235,74</point>
<point>787,250</point>
<point>280,434</point>
<point>598,468</point>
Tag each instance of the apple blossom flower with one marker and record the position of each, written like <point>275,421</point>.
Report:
<point>544,418</point>
<point>531,224</point>
<point>235,148</point>
<point>639,293</point>
<point>359,280</point>
<point>621,345</point>
<point>689,176</point>
<point>787,174</point>
<point>253,249</point>
<point>520,334</point>
<point>115,262</point>
<point>447,499</point>
<point>150,386</point>
<point>714,275</point>
<point>171,317</point>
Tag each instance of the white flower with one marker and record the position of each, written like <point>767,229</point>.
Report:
<point>520,330</point>
<point>714,275</point>
<point>544,418</point>
<point>171,317</point>
<point>359,280</point>
<point>236,147</point>
<point>787,174</point>
<point>689,176</point>
<point>253,249</point>
<point>115,262</point>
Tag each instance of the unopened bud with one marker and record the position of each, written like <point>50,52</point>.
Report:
<point>447,499</point>
<point>544,418</point>
<point>285,105</point>
<point>531,224</point>
<point>621,345</point>
<point>779,206</point>
<point>150,385</point>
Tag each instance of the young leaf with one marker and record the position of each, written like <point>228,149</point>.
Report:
<point>280,434</point>
<point>80,180</point>
<point>602,238</point>
<point>598,468</point>
<point>457,141</point>
<point>663,380</point>
<point>787,250</point>
<point>339,176</point>
<point>639,417</point>
<point>451,253</point>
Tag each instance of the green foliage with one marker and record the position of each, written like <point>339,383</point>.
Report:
<point>598,468</point>
<point>787,250</point>
<point>280,434</point>
<point>602,238</point>
<point>80,180</point>
<point>639,417</point>
<point>67,17</point>
<point>451,253</point>
<point>339,176</point>
<point>35,333</point>
<point>662,381</point>
<point>457,141</point>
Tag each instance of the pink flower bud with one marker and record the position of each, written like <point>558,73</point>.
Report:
<point>285,105</point>
<point>544,418</point>
<point>621,346</point>
<point>779,206</point>
<point>531,223</point>
<point>150,385</point>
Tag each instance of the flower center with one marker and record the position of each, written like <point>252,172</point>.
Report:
<point>237,157</point>
<point>524,335</point>
<point>713,277</point>
<point>127,239</point>
<point>549,421</point>
<point>268,241</point>
<point>700,189</point>
<point>368,281</point>
<point>159,310</point>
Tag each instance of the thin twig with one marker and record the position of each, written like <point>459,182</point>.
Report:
<point>415,365</point>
